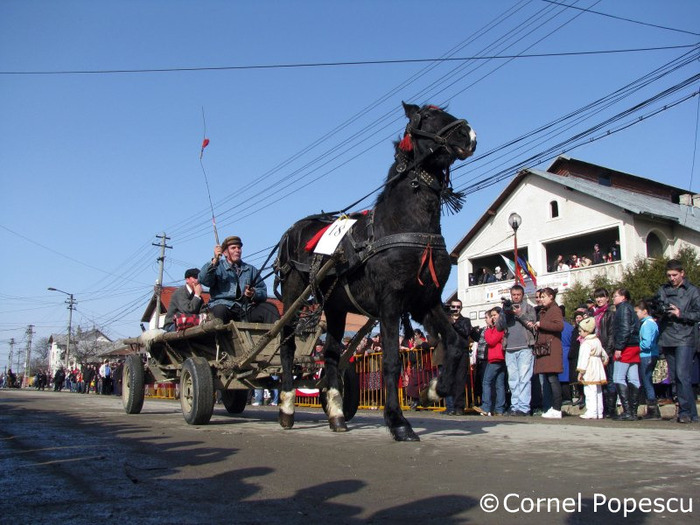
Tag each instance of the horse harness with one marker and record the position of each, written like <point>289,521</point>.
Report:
<point>364,249</point>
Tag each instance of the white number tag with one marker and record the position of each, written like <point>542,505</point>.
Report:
<point>332,236</point>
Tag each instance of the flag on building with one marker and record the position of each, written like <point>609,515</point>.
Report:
<point>511,267</point>
<point>529,270</point>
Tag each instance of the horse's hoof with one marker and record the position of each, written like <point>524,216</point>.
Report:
<point>337,424</point>
<point>438,390</point>
<point>404,433</point>
<point>286,420</point>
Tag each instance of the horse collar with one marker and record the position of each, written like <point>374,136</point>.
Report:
<point>420,175</point>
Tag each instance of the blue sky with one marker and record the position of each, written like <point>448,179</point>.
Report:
<point>94,165</point>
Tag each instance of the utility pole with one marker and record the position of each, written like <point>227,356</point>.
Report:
<point>159,283</point>
<point>71,302</point>
<point>12,351</point>
<point>28,354</point>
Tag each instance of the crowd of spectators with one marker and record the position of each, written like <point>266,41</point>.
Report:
<point>484,274</point>
<point>609,358</point>
<point>104,379</point>
<point>597,256</point>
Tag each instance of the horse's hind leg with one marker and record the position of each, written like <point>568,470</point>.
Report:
<point>331,355</point>
<point>399,426</point>
<point>287,393</point>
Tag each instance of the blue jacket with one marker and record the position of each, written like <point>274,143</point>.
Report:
<point>648,338</point>
<point>226,286</point>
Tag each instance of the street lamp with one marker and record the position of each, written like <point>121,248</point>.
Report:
<point>515,221</point>
<point>70,302</point>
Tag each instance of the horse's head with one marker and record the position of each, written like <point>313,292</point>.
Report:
<point>432,132</point>
<point>434,139</point>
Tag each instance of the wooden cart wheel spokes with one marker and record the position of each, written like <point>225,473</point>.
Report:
<point>196,391</point>
<point>133,384</point>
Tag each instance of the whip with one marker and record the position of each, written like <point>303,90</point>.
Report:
<point>205,143</point>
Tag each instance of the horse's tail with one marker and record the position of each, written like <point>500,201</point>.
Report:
<point>407,326</point>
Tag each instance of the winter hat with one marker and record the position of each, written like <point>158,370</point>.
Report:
<point>228,241</point>
<point>587,325</point>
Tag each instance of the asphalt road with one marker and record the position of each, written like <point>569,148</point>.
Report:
<point>71,458</point>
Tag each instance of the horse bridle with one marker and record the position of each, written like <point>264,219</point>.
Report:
<point>441,137</point>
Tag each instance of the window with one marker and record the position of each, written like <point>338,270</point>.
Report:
<point>655,248</point>
<point>554,209</point>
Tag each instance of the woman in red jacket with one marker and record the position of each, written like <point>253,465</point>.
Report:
<point>495,374</point>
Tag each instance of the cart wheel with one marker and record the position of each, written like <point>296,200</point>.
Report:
<point>132,385</point>
<point>350,390</point>
<point>196,391</point>
<point>234,400</point>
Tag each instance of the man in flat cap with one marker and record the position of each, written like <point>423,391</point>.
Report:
<point>237,292</point>
<point>185,300</point>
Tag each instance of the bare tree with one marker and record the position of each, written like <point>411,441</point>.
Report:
<point>40,354</point>
<point>89,344</point>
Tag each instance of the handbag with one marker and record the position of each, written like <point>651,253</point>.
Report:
<point>541,349</point>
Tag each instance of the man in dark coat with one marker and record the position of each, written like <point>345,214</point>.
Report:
<point>457,401</point>
<point>186,300</point>
<point>677,335</point>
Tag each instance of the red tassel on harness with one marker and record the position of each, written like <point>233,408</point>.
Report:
<point>428,257</point>
<point>314,240</point>
<point>406,143</point>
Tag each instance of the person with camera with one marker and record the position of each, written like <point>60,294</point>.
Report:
<point>456,403</point>
<point>517,318</point>
<point>681,310</point>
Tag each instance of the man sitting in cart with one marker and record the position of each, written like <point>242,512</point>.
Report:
<point>185,300</point>
<point>237,293</point>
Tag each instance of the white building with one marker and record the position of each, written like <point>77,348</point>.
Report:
<point>85,345</point>
<point>566,210</point>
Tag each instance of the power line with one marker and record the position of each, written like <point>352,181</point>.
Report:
<point>342,63</point>
<point>622,18</point>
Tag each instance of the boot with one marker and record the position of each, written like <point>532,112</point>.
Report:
<point>633,402</point>
<point>624,393</point>
<point>653,411</point>
<point>610,404</point>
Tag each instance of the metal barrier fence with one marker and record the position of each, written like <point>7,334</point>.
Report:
<point>416,372</point>
<point>160,390</point>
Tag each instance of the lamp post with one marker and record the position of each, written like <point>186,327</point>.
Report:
<point>515,221</point>
<point>71,303</point>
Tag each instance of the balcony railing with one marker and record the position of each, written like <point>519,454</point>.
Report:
<point>485,296</point>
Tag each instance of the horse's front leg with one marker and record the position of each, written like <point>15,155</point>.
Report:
<point>399,426</point>
<point>287,393</point>
<point>331,355</point>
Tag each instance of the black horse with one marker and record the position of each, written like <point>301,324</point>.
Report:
<point>393,261</point>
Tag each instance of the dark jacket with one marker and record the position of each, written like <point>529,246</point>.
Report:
<point>678,331</point>
<point>463,327</point>
<point>625,326</point>
<point>182,302</point>
<point>551,326</point>
<point>605,330</point>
